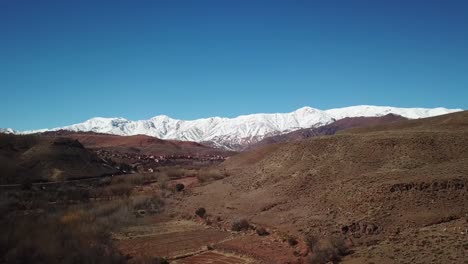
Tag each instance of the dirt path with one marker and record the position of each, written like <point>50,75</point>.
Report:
<point>214,257</point>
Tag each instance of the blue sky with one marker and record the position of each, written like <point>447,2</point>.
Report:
<point>62,62</point>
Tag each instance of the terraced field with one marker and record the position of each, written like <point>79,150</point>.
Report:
<point>169,239</point>
<point>214,257</point>
<point>188,242</point>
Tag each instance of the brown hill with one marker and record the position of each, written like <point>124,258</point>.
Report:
<point>139,144</point>
<point>46,159</point>
<point>330,129</point>
<point>374,185</point>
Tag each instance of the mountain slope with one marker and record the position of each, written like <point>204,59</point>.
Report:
<point>47,159</point>
<point>242,130</point>
<point>140,144</point>
<point>330,129</point>
<point>368,184</point>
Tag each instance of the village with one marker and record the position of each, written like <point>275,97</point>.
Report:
<point>143,163</point>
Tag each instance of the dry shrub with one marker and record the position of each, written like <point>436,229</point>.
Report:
<point>148,260</point>
<point>77,194</point>
<point>311,241</point>
<point>132,179</point>
<point>179,187</point>
<point>121,212</point>
<point>8,203</point>
<point>162,181</point>
<point>151,204</point>
<point>332,250</point>
<point>112,191</point>
<point>176,172</point>
<point>72,237</point>
<point>113,214</point>
<point>210,174</point>
<point>240,225</point>
<point>200,212</point>
<point>261,231</point>
<point>121,189</point>
<point>292,241</point>
<point>339,245</point>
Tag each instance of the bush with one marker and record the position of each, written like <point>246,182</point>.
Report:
<point>114,190</point>
<point>335,248</point>
<point>339,245</point>
<point>311,241</point>
<point>149,260</point>
<point>132,179</point>
<point>77,194</point>
<point>124,167</point>
<point>200,212</point>
<point>292,241</point>
<point>179,187</point>
<point>262,231</point>
<point>72,237</point>
<point>240,225</point>
<point>206,175</point>
<point>322,256</point>
<point>152,204</point>
<point>162,180</point>
<point>27,185</point>
<point>176,172</point>
<point>113,214</point>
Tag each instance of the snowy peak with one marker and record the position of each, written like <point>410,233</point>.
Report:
<point>369,110</point>
<point>246,129</point>
<point>8,131</point>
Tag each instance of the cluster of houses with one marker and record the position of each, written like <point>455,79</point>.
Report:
<point>148,163</point>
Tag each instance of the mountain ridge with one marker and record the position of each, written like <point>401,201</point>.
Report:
<point>245,129</point>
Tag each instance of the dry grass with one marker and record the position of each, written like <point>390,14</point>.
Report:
<point>328,251</point>
<point>72,229</point>
<point>240,225</point>
<point>211,174</point>
<point>70,237</point>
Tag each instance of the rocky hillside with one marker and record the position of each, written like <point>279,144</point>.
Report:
<point>326,130</point>
<point>139,144</point>
<point>368,184</point>
<point>36,158</point>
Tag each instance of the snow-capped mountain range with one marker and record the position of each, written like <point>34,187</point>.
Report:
<point>241,130</point>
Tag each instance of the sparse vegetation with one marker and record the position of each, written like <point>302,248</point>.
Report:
<point>331,250</point>
<point>210,174</point>
<point>240,225</point>
<point>176,172</point>
<point>292,241</point>
<point>71,237</point>
<point>73,228</point>
<point>311,241</point>
<point>179,187</point>
<point>149,260</point>
<point>151,204</point>
<point>200,212</point>
<point>261,231</point>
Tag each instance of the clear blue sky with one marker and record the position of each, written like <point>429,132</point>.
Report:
<point>62,62</point>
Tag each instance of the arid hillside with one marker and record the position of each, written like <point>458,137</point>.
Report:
<point>139,144</point>
<point>38,158</point>
<point>368,184</point>
<point>330,129</point>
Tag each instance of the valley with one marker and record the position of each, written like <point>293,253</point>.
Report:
<point>385,190</point>
<point>233,132</point>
